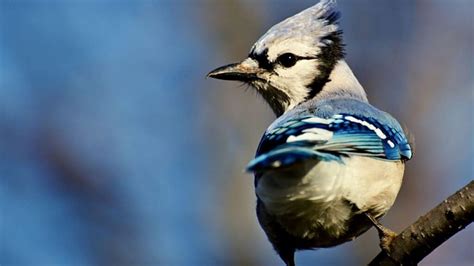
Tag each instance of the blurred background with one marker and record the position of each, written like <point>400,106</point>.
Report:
<point>115,149</point>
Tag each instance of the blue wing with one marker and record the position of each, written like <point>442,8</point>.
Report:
<point>312,137</point>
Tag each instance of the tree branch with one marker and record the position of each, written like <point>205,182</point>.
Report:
<point>431,229</point>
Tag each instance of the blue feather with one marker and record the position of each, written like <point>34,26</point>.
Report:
<point>350,134</point>
<point>286,156</point>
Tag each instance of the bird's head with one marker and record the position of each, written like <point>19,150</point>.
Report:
<point>293,61</point>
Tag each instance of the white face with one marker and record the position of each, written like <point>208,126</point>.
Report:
<point>289,65</point>
<point>288,56</point>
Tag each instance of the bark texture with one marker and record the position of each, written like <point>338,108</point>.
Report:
<point>430,230</point>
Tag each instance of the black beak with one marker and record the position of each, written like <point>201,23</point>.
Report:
<point>246,70</point>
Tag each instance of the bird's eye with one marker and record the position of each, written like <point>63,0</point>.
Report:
<point>287,60</point>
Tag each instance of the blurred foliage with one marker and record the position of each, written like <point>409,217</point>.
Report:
<point>117,151</point>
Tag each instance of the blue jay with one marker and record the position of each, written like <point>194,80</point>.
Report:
<point>331,164</point>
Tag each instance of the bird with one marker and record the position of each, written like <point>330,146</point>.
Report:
<point>331,164</point>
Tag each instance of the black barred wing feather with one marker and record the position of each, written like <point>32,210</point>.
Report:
<point>341,135</point>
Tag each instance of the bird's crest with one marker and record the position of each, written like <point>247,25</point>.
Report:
<point>311,24</point>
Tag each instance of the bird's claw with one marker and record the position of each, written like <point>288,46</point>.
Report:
<point>386,235</point>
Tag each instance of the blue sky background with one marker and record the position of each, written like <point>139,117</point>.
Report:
<point>115,150</point>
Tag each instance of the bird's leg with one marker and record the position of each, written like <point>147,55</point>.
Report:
<point>386,235</point>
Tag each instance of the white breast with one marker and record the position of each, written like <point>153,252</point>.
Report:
<point>311,198</point>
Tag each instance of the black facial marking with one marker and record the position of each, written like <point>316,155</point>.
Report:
<point>332,52</point>
<point>277,99</point>
<point>286,60</point>
<point>262,59</point>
